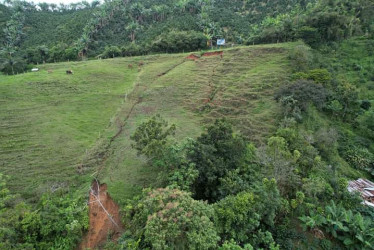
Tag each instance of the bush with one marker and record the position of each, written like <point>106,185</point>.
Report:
<point>317,75</point>
<point>301,58</point>
<point>111,52</point>
<point>133,50</point>
<point>360,158</point>
<point>304,92</point>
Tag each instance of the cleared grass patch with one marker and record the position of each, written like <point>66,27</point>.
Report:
<point>49,120</point>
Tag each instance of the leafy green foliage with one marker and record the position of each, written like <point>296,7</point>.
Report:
<point>352,229</point>
<point>111,52</point>
<point>281,164</point>
<point>214,154</point>
<point>170,218</point>
<point>303,93</point>
<point>317,75</point>
<point>239,217</point>
<point>58,222</point>
<point>360,158</point>
<point>182,173</point>
<point>179,41</point>
<point>151,136</point>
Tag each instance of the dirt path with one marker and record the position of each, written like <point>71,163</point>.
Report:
<point>105,221</point>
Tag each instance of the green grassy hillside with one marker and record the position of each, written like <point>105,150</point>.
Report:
<point>60,131</point>
<point>49,120</point>
<point>57,126</point>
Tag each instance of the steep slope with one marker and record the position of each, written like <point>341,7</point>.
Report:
<point>191,94</point>
<point>54,124</point>
<point>49,119</point>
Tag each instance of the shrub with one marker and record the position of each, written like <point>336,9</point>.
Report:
<point>133,50</point>
<point>111,52</point>
<point>360,158</point>
<point>317,75</point>
<point>304,92</point>
<point>301,58</point>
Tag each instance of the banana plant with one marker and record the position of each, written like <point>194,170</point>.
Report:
<point>313,221</point>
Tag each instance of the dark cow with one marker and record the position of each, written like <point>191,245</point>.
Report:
<point>69,72</point>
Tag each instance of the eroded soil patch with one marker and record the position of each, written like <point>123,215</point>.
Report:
<point>214,53</point>
<point>104,217</point>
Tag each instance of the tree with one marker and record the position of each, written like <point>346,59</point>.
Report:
<point>310,35</point>
<point>43,51</point>
<point>240,217</point>
<point>347,95</point>
<point>171,219</point>
<point>281,163</point>
<point>151,137</point>
<point>133,28</point>
<point>214,154</point>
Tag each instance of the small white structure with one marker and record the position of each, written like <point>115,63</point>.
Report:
<point>34,69</point>
<point>221,42</point>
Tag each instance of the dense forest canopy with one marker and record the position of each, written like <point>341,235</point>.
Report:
<point>50,32</point>
<point>253,148</point>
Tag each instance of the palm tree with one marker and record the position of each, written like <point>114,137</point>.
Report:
<point>83,45</point>
<point>133,27</point>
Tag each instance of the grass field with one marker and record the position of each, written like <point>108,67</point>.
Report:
<point>59,130</point>
<point>49,120</point>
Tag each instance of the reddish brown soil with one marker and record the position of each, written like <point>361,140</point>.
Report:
<point>192,57</point>
<point>214,53</point>
<point>101,224</point>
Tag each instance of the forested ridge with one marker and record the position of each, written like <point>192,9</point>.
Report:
<point>51,33</point>
<point>253,146</point>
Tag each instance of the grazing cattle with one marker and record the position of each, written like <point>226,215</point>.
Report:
<point>141,63</point>
<point>69,72</point>
<point>129,66</point>
<point>34,69</point>
<point>50,71</point>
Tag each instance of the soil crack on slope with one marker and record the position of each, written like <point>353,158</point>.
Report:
<point>167,71</point>
<point>104,218</point>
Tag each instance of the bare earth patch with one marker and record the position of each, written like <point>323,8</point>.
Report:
<point>104,218</point>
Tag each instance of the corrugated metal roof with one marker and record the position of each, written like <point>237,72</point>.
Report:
<point>365,188</point>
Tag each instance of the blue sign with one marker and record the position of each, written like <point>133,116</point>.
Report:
<point>221,41</point>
